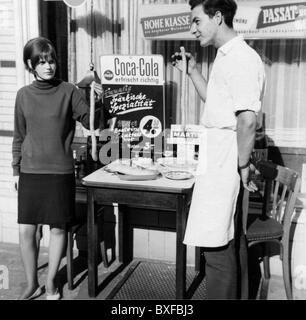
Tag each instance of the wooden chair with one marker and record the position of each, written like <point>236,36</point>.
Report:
<point>271,221</point>
<point>257,156</point>
<point>81,198</point>
<point>69,255</point>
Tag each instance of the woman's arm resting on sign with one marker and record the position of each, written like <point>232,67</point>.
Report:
<point>246,129</point>
<point>80,106</point>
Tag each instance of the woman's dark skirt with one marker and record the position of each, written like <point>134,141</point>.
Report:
<point>46,199</point>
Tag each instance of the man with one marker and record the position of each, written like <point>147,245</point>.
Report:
<point>232,99</point>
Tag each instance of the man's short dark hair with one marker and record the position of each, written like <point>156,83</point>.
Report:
<point>227,8</point>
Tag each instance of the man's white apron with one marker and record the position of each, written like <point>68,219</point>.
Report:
<point>211,216</point>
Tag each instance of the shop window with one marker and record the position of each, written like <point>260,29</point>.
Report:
<point>284,106</point>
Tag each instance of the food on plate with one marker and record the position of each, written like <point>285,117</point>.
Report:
<point>174,164</point>
<point>143,162</point>
<point>125,166</point>
<point>146,163</point>
<point>133,177</point>
<point>178,175</point>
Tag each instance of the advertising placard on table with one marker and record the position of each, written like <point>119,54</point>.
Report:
<point>186,138</point>
<point>261,19</point>
<point>134,98</point>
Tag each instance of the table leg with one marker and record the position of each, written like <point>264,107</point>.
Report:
<point>122,234</point>
<point>197,267</point>
<point>92,244</point>
<point>181,214</point>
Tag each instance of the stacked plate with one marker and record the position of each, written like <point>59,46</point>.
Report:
<point>177,169</point>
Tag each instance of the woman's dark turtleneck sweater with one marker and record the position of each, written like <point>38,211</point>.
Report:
<point>45,115</point>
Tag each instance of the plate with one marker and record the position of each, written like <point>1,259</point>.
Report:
<point>178,175</point>
<point>174,164</point>
<point>134,177</point>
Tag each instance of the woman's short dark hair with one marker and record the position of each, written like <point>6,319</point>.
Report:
<point>36,49</point>
<point>227,8</point>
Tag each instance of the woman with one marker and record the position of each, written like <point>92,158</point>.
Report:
<point>43,166</point>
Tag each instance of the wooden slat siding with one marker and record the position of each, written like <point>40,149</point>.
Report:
<point>7,110</point>
<point>6,103</point>
<point>6,39</point>
<point>7,6</point>
<point>4,170</point>
<point>9,72</point>
<point>6,173</point>
<point>7,64</point>
<point>6,95</point>
<point>7,122</point>
<point>6,133</point>
<point>8,47</point>
<point>6,126</point>
<point>5,190</point>
<point>7,32</point>
<point>5,141</point>
<point>6,118</point>
<point>12,77</point>
<point>8,89</point>
<point>5,177</point>
<point>7,155</point>
<point>5,164</point>
<point>7,14</point>
<point>7,113</point>
<point>8,56</point>
<point>7,79</point>
<point>6,3</point>
<point>6,22</point>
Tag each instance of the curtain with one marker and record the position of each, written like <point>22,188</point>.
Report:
<point>114,29</point>
<point>284,106</point>
<point>26,23</point>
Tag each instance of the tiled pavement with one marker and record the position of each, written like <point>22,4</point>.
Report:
<point>10,257</point>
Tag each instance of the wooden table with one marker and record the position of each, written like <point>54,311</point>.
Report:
<point>161,194</point>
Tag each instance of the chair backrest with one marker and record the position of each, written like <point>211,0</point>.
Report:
<point>280,191</point>
<point>286,187</point>
<point>259,155</point>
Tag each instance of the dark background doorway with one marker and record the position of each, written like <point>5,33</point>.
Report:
<point>54,26</point>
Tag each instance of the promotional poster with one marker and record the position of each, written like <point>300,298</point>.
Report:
<point>134,99</point>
